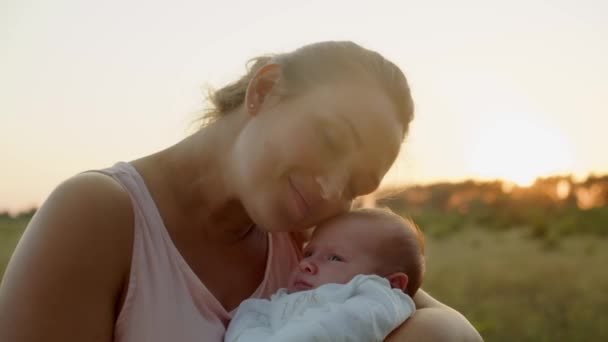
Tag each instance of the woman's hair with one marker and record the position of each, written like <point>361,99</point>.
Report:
<point>314,64</point>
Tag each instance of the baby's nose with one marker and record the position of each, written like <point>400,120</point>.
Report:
<point>308,267</point>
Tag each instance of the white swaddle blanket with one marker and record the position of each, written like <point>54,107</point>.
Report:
<point>365,309</point>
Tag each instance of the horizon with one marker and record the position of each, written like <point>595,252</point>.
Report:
<point>395,188</point>
<point>510,91</point>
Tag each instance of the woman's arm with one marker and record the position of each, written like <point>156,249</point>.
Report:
<point>434,322</point>
<point>67,274</point>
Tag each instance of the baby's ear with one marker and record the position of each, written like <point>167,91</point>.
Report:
<point>398,280</point>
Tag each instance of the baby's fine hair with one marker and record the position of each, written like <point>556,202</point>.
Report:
<point>407,250</point>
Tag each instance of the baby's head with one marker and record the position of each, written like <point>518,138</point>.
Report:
<point>362,241</point>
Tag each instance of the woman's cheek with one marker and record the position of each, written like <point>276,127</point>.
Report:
<point>308,151</point>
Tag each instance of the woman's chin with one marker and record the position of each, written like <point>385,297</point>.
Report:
<point>283,223</point>
<point>275,225</point>
<point>285,228</point>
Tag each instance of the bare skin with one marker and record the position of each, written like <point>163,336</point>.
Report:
<point>434,321</point>
<point>67,278</point>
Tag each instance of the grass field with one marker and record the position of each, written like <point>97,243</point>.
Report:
<point>10,232</point>
<point>511,287</point>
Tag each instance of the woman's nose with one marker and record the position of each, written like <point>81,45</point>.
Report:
<point>308,266</point>
<point>332,187</point>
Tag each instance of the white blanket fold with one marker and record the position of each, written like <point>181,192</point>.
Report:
<point>365,309</point>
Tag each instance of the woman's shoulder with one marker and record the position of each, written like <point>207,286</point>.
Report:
<point>89,204</point>
<point>87,213</point>
<point>91,181</point>
<point>76,250</point>
<point>90,198</point>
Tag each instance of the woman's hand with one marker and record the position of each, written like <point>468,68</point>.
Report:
<point>434,322</point>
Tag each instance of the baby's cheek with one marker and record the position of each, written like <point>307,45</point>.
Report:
<point>292,275</point>
<point>344,276</point>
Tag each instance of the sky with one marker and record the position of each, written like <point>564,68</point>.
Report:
<point>503,89</point>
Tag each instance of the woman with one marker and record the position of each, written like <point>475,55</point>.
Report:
<point>165,247</point>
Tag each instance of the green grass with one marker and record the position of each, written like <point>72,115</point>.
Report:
<point>510,286</point>
<point>513,288</point>
<point>10,232</point>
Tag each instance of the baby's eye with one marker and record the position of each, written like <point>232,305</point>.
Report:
<point>335,258</point>
<point>307,254</point>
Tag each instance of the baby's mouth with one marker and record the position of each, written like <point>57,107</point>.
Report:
<point>301,285</point>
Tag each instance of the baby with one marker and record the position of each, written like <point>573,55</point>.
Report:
<point>354,283</point>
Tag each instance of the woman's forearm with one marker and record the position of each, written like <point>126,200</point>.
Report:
<point>424,300</point>
<point>434,321</point>
<point>435,325</point>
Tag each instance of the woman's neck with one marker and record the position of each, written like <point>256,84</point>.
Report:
<point>194,178</point>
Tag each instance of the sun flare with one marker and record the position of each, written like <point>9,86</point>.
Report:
<point>518,150</point>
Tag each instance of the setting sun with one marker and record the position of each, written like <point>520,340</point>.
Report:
<point>518,150</point>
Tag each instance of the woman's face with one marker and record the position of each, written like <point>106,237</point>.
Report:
<point>303,160</point>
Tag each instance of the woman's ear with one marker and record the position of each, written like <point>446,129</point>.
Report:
<point>398,280</point>
<point>261,86</point>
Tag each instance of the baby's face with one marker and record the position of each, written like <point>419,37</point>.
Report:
<point>339,250</point>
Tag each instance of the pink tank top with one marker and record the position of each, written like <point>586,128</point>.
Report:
<point>165,300</point>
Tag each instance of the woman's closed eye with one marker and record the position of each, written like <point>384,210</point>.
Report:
<point>332,141</point>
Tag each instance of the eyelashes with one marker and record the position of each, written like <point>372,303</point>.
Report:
<point>335,258</point>
<point>330,257</point>
<point>332,139</point>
